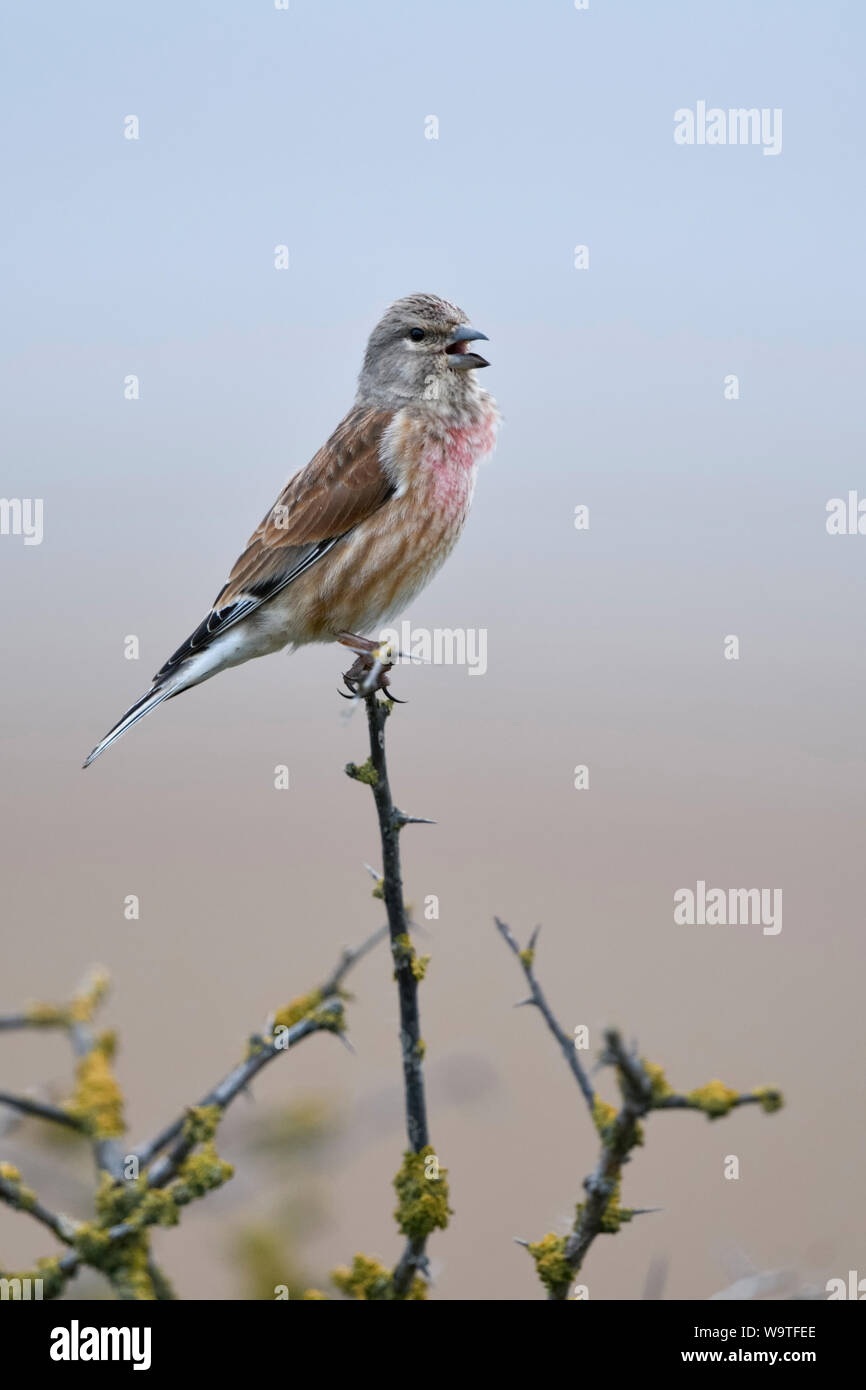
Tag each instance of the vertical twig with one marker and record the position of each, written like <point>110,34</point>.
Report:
<point>391,822</point>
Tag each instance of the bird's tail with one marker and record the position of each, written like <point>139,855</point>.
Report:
<point>135,712</point>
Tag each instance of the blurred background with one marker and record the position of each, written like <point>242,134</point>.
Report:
<point>307,128</point>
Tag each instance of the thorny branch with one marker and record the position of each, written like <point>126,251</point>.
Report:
<point>643,1088</point>
<point>41,1110</point>
<point>569,1052</point>
<point>391,822</point>
<point>148,1184</point>
<point>417,1214</point>
<point>96,1111</point>
<point>329,996</point>
<point>14,1194</point>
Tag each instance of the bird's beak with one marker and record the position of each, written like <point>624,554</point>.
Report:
<point>456,349</point>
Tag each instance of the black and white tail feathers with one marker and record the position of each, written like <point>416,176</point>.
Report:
<point>199,657</point>
<point>135,712</point>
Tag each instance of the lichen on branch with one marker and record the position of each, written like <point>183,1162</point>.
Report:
<point>643,1088</point>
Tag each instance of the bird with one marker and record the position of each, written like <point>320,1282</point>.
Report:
<point>365,525</point>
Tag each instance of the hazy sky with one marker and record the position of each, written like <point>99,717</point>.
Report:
<point>154,258</point>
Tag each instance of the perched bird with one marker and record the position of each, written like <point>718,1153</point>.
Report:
<point>359,531</point>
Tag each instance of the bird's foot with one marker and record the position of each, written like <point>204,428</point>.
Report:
<point>369,672</point>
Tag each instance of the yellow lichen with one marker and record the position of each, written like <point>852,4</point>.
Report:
<point>770,1099</point>
<point>200,1173</point>
<point>331,1019</point>
<point>715,1099</point>
<point>551,1265</point>
<point>527,956</point>
<point>124,1260</point>
<point>131,1275</point>
<point>116,1200</point>
<point>369,1281</point>
<point>92,1244</point>
<point>297,1009</point>
<point>80,1009</point>
<point>419,966</point>
<point>423,1201</point>
<point>613,1215</point>
<point>364,773</point>
<point>603,1116</point>
<point>52,1276</point>
<point>658,1081</point>
<point>157,1207</point>
<point>307,1006</point>
<point>97,1101</point>
<point>403,953</point>
<point>16,1194</point>
<point>84,1005</point>
<point>201,1123</point>
<point>47,1016</point>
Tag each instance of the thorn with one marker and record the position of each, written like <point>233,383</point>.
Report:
<point>345,1041</point>
<point>372,872</point>
<point>421,927</point>
<point>402,820</point>
<point>518,1241</point>
<point>534,937</point>
<point>520,1003</point>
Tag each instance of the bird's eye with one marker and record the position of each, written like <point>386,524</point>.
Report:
<point>416,334</point>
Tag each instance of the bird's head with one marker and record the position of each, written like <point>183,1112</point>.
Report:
<point>419,350</point>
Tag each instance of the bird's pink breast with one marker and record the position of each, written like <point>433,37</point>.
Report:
<point>448,462</point>
<point>383,563</point>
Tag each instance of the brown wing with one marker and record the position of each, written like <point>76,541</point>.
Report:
<point>342,484</point>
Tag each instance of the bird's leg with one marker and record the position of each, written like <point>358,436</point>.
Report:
<point>359,645</point>
<point>370,669</point>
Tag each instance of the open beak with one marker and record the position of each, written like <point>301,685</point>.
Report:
<point>458,354</point>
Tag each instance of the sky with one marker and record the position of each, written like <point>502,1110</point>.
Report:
<point>694,381</point>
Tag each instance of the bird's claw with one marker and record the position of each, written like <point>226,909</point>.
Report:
<point>368,673</point>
